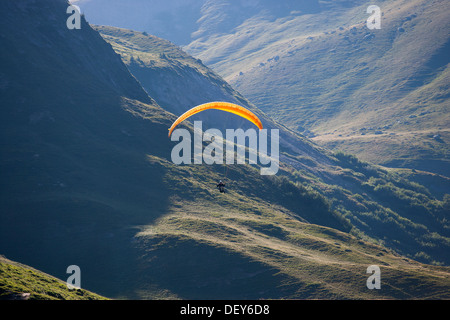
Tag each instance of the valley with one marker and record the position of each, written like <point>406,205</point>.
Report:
<point>88,179</point>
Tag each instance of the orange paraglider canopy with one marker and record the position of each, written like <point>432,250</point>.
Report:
<point>224,106</point>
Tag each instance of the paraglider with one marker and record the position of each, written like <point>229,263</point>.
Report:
<point>221,186</point>
<point>224,106</point>
<point>211,147</point>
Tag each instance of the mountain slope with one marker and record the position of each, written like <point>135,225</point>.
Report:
<point>316,67</point>
<point>355,190</point>
<point>21,282</point>
<point>75,177</point>
<point>379,94</point>
<point>248,252</point>
<point>87,180</point>
<point>173,20</point>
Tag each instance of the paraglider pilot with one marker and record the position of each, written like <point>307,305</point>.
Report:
<point>221,186</point>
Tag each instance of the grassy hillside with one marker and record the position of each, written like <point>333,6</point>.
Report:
<point>248,252</point>
<point>87,180</point>
<point>379,94</point>
<point>21,282</point>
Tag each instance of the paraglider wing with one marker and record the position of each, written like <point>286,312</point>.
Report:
<point>224,106</point>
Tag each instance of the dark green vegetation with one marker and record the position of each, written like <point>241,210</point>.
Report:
<point>21,282</point>
<point>87,180</point>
